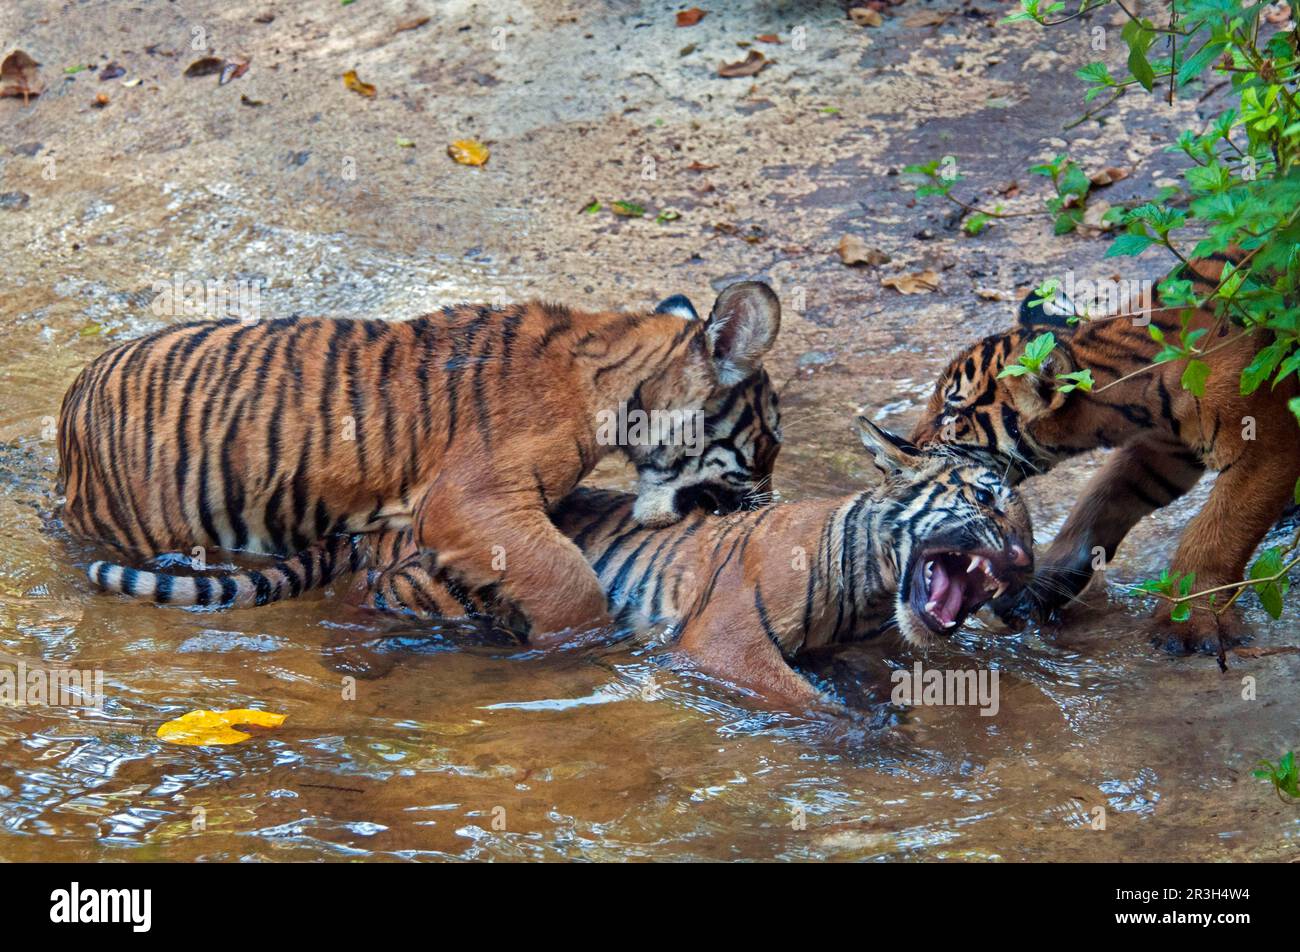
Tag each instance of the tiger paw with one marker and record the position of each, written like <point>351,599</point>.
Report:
<point>1203,632</point>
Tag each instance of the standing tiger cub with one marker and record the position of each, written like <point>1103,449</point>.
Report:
<point>1164,437</point>
<point>467,426</point>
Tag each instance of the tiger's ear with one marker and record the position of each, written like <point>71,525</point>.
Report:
<point>678,304</point>
<point>1037,393</point>
<point>891,453</point>
<point>741,329</point>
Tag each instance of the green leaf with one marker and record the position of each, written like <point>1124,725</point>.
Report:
<point>1013,370</point>
<point>1271,592</point>
<point>1129,244</point>
<point>1195,375</point>
<point>1262,366</point>
<point>1078,380</point>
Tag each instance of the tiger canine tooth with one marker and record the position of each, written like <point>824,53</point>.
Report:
<point>929,570</point>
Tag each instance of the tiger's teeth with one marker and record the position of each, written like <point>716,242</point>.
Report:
<point>929,571</point>
<point>974,563</point>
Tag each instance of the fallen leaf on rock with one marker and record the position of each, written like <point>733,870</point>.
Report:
<point>202,728</point>
<point>993,294</point>
<point>853,250</point>
<point>686,50</point>
<point>1093,214</point>
<point>590,208</point>
<point>250,102</point>
<point>698,166</point>
<point>865,16</point>
<point>133,81</point>
<point>351,81</point>
<point>690,17</point>
<point>919,282</point>
<point>207,66</point>
<point>768,38</point>
<point>627,209</point>
<point>1108,175</point>
<point>111,71</point>
<point>751,65</point>
<point>469,152</point>
<point>412,24</point>
<point>405,143</point>
<point>232,71</point>
<point>18,76</point>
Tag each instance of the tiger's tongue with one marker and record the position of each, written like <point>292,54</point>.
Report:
<point>945,596</point>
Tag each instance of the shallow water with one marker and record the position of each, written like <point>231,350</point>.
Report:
<point>456,748</point>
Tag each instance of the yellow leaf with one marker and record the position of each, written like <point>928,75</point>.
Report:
<point>201,728</point>
<point>468,152</point>
<point>351,81</point>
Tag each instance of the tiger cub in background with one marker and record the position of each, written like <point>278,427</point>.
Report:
<point>467,427</point>
<point>1163,436</point>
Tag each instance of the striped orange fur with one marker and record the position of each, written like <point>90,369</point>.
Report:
<point>467,426</point>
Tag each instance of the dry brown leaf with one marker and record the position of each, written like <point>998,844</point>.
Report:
<point>206,66</point>
<point>351,80</point>
<point>751,65</point>
<point>865,16</point>
<point>412,24</point>
<point>468,152</point>
<point>19,76</point>
<point>1108,176</point>
<point>690,17</point>
<point>853,250</point>
<point>1093,214</point>
<point>918,282</point>
<point>993,294</point>
<point>698,166</point>
<point>768,38</point>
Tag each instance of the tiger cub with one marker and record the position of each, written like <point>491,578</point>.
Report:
<point>743,438</point>
<point>939,537</point>
<point>1163,436</point>
<point>467,427</point>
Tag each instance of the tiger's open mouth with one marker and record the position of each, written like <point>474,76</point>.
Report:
<point>946,586</point>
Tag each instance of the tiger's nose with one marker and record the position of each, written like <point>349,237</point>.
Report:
<point>1018,555</point>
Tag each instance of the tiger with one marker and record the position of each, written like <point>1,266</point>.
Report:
<point>466,426</point>
<point>743,593</point>
<point>1163,439</point>
<point>743,439</point>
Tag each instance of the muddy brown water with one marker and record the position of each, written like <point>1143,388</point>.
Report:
<point>452,747</point>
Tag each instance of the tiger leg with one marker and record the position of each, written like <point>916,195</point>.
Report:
<point>535,567</point>
<point>1247,499</point>
<point>1138,478</point>
<point>738,651</point>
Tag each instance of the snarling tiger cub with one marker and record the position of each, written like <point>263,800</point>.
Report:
<point>1163,436</point>
<point>467,427</point>
<point>939,537</point>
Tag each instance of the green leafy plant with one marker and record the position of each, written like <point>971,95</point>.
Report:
<point>1031,361</point>
<point>1241,189</point>
<point>1283,775</point>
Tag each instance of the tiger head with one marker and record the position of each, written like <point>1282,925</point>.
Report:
<point>950,533</point>
<point>729,466</point>
<point>1026,420</point>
